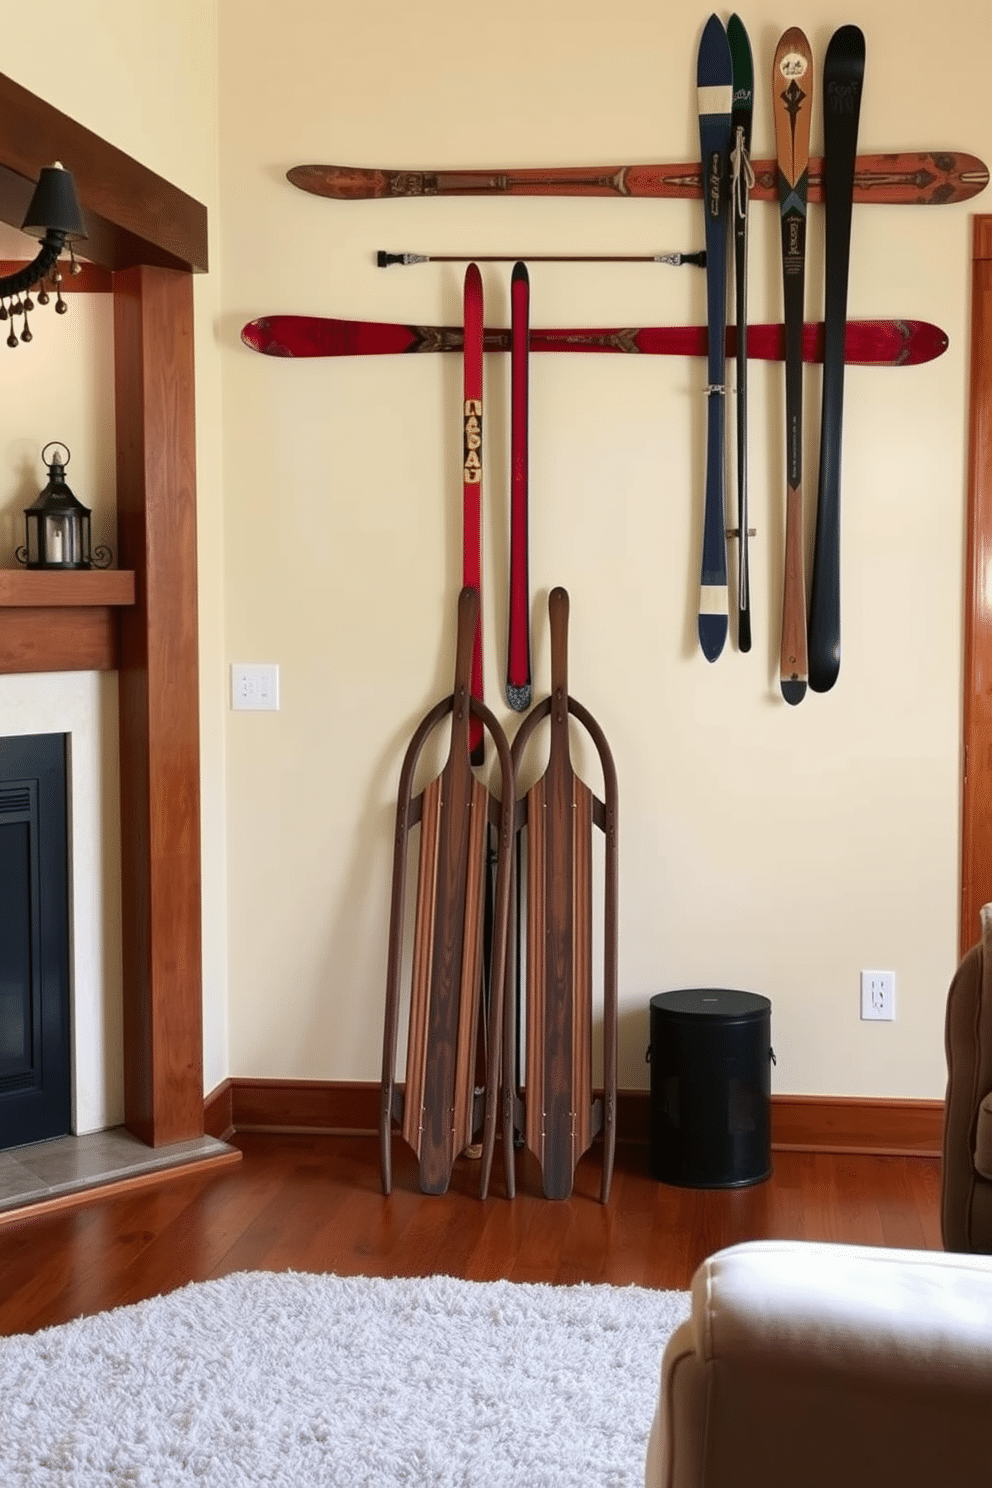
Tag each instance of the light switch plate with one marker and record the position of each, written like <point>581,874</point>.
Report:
<point>254,687</point>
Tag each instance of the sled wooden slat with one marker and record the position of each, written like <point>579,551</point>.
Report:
<point>471,982</point>
<point>423,951</point>
<point>559,983</point>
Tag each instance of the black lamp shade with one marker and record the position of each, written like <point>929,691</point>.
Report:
<point>54,205</point>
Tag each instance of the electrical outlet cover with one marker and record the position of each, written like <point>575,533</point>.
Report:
<point>878,996</point>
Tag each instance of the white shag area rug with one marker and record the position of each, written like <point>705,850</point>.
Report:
<point>291,1379</point>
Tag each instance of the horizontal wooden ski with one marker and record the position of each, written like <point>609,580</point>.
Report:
<point>929,178</point>
<point>868,343</point>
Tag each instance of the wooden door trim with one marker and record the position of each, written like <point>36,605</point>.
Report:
<point>153,236</point>
<point>976,794</point>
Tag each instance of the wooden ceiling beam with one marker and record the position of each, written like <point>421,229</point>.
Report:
<point>132,215</point>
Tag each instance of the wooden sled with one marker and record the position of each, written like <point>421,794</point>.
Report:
<point>557,1114</point>
<point>439,1108</point>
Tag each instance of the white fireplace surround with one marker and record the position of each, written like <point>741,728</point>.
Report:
<point>84,706</point>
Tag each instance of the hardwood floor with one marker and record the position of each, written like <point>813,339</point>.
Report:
<point>312,1203</point>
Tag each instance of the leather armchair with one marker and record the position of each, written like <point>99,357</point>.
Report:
<point>827,1365</point>
<point>966,1173</point>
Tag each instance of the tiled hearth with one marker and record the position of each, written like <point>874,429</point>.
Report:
<point>72,1165</point>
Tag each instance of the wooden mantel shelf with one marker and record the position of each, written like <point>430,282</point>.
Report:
<point>85,586</point>
<point>62,622</point>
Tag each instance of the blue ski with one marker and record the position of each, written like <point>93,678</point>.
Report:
<point>741,181</point>
<point>714,84</point>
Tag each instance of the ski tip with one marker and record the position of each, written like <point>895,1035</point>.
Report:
<point>847,44</point>
<point>821,679</point>
<point>824,669</point>
<point>712,635</point>
<point>341,182</point>
<point>518,698</point>
<point>793,690</point>
<point>520,274</point>
<point>926,342</point>
<point>714,68</point>
<point>263,336</point>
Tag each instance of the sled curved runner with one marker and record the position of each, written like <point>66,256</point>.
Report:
<point>438,1107</point>
<point>557,1114</point>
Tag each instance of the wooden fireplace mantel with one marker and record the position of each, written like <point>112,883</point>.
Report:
<point>152,237</point>
<point>61,622</point>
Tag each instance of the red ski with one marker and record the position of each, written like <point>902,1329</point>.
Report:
<point>928,179</point>
<point>518,678</point>
<point>472,481</point>
<point>869,343</point>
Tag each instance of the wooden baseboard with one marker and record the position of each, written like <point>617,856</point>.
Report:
<point>800,1123</point>
<point>218,1112</point>
<point>821,1123</point>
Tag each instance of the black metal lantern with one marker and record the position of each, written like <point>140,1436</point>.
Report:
<point>58,526</point>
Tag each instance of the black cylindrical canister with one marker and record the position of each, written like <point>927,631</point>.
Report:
<point>710,1087</point>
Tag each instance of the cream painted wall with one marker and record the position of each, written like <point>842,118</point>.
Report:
<point>761,847</point>
<point>145,78</point>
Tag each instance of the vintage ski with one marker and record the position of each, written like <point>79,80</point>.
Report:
<point>518,674</point>
<point>792,94</point>
<point>472,480</point>
<point>843,77</point>
<point>741,178</point>
<point>928,178</point>
<point>868,343</point>
<point>714,84</point>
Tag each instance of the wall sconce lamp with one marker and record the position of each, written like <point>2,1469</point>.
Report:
<point>53,215</point>
<point>58,526</point>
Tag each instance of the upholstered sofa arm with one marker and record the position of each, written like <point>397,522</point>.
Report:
<point>983,1139</point>
<point>827,1365</point>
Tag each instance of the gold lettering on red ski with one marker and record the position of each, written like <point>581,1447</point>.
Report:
<point>472,470</point>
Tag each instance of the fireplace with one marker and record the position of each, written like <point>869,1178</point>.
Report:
<point>61,1042</point>
<point>35,1091</point>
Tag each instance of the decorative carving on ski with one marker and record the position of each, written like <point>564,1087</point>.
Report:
<point>714,86</point>
<point>792,96</point>
<point>843,77</point>
<point>928,178</point>
<point>868,343</point>
<point>439,1108</point>
<point>472,477</point>
<point>557,1114</point>
<point>518,677</point>
<point>741,180</point>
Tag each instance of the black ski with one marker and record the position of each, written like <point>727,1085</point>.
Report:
<point>741,181</point>
<point>843,77</point>
<point>714,80</point>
